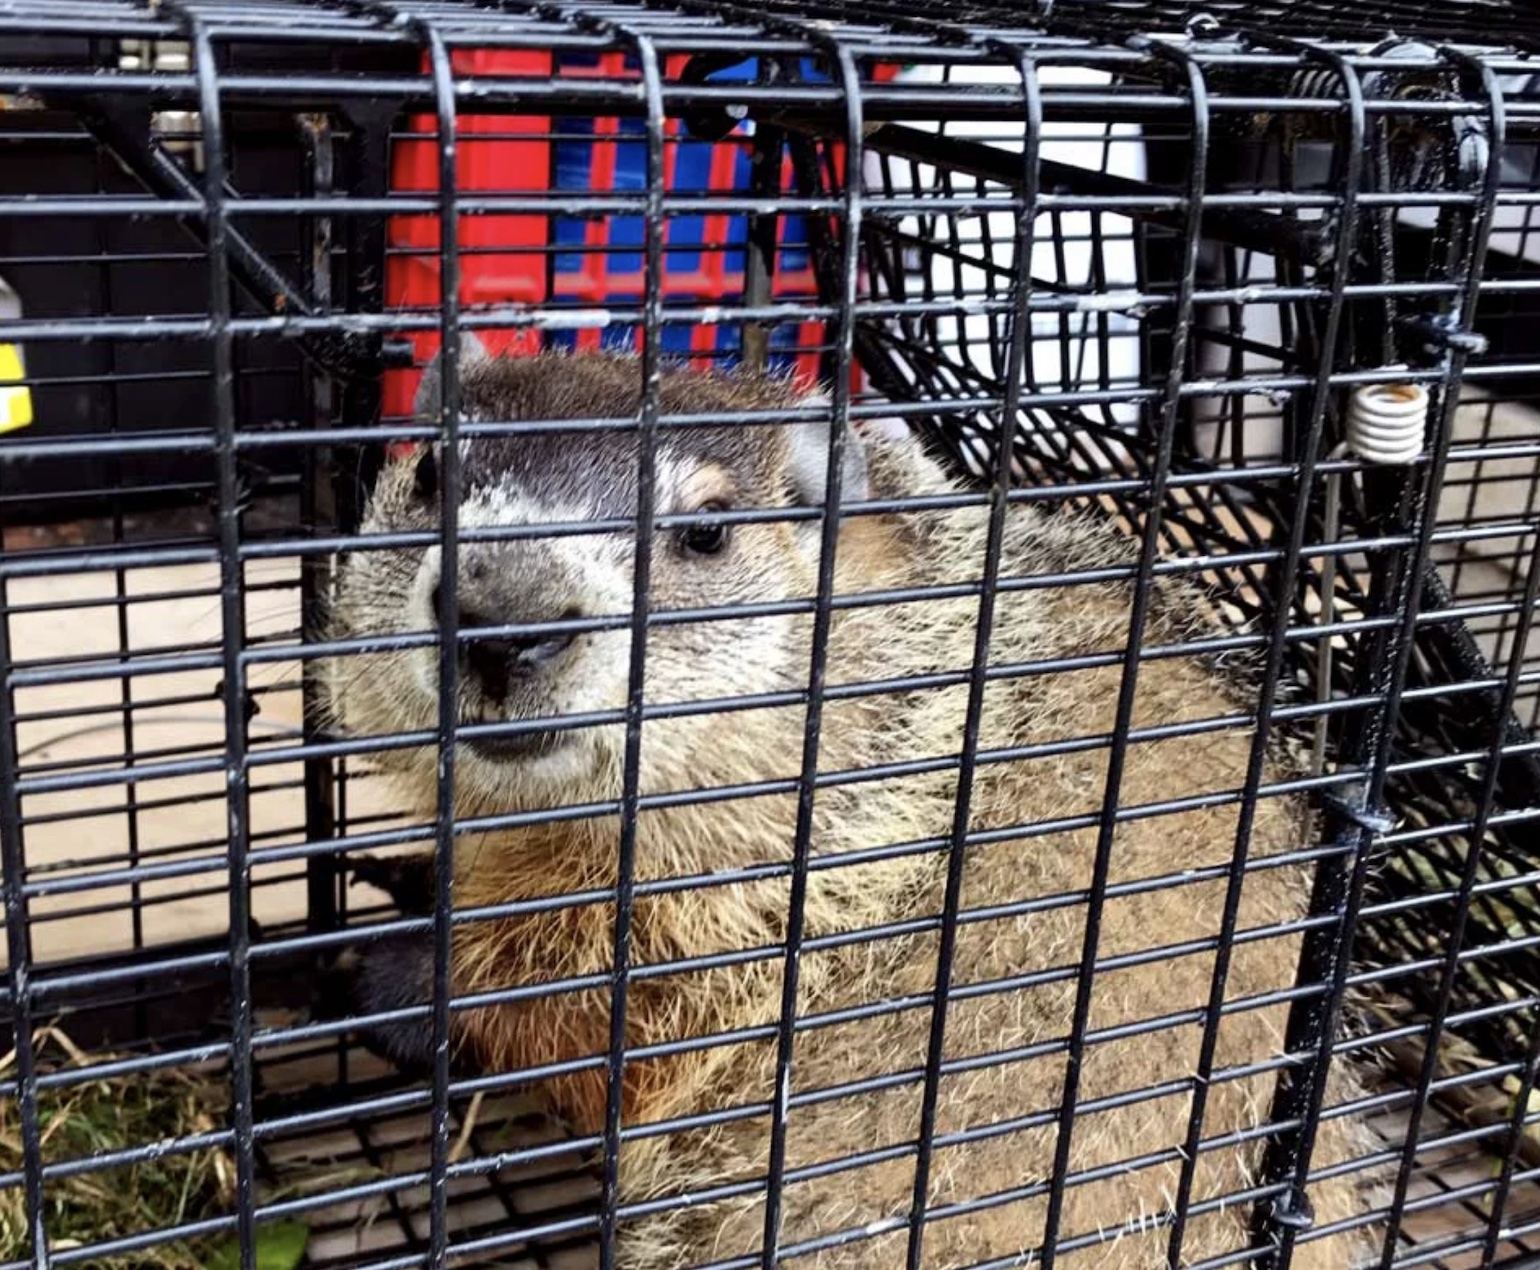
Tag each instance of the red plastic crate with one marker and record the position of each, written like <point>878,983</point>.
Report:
<point>520,154</point>
<point>513,276</point>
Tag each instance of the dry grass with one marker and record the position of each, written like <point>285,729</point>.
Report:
<point>94,1117</point>
<point>163,1191</point>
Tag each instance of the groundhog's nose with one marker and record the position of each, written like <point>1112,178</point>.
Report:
<point>496,661</point>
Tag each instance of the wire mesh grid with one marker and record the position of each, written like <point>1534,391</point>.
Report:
<point>810,978</point>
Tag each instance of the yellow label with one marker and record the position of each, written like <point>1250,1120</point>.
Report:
<point>15,397</point>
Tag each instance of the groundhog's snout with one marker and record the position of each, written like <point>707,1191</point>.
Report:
<point>499,586</point>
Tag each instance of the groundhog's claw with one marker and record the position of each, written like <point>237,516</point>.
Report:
<point>407,879</point>
<point>391,973</point>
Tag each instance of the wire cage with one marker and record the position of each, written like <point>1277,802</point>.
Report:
<point>1238,292</point>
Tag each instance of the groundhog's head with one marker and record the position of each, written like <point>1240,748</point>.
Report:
<point>570,593</point>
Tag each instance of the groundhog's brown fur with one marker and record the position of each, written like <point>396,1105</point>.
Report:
<point>1031,957</point>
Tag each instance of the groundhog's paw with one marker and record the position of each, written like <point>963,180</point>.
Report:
<point>387,976</point>
<point>407,879</point>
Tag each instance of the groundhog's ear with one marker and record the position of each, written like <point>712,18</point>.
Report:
<point>429,391</point>
<point>808,461</point>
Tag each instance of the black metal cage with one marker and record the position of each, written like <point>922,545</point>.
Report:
<point>1239,290</point>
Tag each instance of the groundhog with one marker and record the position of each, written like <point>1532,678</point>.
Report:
<point>881,822</point>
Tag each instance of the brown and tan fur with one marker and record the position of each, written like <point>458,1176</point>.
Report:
<point>379,693</point>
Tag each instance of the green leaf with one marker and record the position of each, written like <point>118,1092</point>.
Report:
<point>280,1246</point>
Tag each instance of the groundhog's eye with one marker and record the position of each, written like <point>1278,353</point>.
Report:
<point>708,538</point>
<point>425,479</point>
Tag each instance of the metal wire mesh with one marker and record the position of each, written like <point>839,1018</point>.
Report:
<point>1165,252</point>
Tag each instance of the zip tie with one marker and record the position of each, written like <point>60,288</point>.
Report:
<point>1377,822</point>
